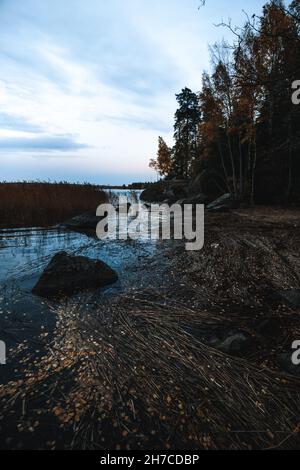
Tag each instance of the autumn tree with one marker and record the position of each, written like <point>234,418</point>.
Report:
<point>246,106</point>
<point>279,51</point>
<point>241,133</point>
<point>212,160</point>
<point>163,162</point>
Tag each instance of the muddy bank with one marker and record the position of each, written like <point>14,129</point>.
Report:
<point>145,368</point>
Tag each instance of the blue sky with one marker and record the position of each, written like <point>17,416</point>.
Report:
<point>87,86</point>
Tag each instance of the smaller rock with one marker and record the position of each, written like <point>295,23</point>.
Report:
<point>235,344</point>
<point>198,199</point>
<point>153,194</point>
<point>169,195</point>
<point>66,275</point>
<point>223,204</point>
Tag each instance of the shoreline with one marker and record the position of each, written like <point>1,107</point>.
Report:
<point>139,362</point>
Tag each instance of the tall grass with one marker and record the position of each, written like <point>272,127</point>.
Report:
<point>29,204</point>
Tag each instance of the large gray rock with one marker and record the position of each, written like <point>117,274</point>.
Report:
<point>223,204</point>
<point>66,275</point>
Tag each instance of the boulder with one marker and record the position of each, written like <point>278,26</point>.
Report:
<point>66,275</point>
<point>170,197</point>
<point>179,189</point>
<point>169,194</point>
<point>198,199</point>
<point>153,194</point>
<point>169,191</point>
<point>235,343</point>
<point>230,341</point>
<point>86,221</point>
<point>223,204</point>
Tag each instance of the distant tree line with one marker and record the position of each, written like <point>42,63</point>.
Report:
<point>241,133</point>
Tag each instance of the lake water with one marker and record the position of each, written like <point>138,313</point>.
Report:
<point>24,253</point>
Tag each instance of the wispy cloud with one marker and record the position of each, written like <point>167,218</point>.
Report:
<point>12,122</point>
<point>43,143</point>
<point>97,80</point>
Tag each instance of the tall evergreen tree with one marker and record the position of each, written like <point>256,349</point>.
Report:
<point>187,120</point>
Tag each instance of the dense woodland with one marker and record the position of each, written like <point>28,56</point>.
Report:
<point>241,132</point>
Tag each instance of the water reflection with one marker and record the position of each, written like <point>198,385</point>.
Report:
<point>24,253</point>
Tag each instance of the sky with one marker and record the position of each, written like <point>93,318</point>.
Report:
<point>87,86</point>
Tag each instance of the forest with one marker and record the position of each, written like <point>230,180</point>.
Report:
<point>241,133</point>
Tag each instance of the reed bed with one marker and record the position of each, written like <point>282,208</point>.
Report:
<point>42,204</point>
<point>126,374</point>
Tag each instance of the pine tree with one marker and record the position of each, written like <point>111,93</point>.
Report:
<point>187,120</point>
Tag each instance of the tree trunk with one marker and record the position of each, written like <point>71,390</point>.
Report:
<point>233,166</point>
<point>241,169</point>
<point>224,166</point>
<point>290,175</point>
<point>253,172</point>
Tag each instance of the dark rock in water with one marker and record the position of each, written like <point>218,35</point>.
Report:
<point>153,194</point>
<point>168,192</point>
<point>66,275</point>
<point>86,221</point>
<point>285,362</point>
<point>223,204</point>
<point>169,195</point>
<point>198,199</point>
<point>292,297</point>
<point>179,191</point>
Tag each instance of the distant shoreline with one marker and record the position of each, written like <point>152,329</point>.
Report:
<point>129,187</point>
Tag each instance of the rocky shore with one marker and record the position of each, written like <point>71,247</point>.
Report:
<point>197,358</point>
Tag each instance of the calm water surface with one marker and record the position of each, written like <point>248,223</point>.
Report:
<point>24,253</point>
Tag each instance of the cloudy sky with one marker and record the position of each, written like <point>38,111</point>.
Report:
<point>87,86</point>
